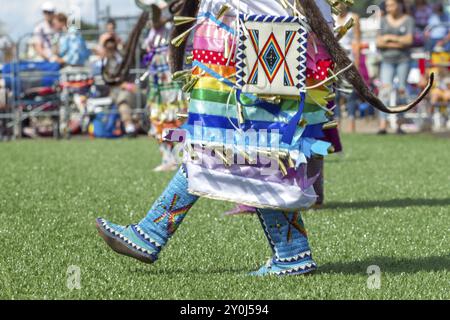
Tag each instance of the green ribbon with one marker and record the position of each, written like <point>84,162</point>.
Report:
<point>222,97</point>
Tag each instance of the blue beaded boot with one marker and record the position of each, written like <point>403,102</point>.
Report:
<point>287,237</point>
<point>145,240</point>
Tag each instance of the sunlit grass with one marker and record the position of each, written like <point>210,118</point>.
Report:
<point>388,204</point>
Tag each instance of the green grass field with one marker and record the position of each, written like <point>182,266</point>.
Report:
<point>388,204</point>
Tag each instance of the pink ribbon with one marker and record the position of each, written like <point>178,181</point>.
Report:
<point>209,30</point>
<point>312,57</point>
<point>211,44</point>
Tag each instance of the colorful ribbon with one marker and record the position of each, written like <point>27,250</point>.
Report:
<point>293,123</point>
<point>232,123</point>
<point>205,43</point>
<point>272,108</point>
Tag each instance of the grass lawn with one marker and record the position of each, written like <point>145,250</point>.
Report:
<point>388,204</point>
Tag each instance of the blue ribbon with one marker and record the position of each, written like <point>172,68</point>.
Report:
<point>269,107</point>
<point>313,131</point>
<point>207,134</point>
<point>212,121</point>
<point>219,23</point>
<point>293,123</point>
<point>212,73</point>
<point>148,58</point>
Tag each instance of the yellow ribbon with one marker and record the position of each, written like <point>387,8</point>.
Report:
<point>211,83</point>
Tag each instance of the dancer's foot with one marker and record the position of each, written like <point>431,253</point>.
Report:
<point>240,209</point>
<point>303,264</point>
<point>158,168</point>
<point>130,241</point>
<point>400,131</point>
<point>317,206</point>
<point>166,167</point>
<point>30,133</point>
<point>172,167</point>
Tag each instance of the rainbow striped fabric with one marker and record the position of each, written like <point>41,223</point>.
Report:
<point>223,112</point>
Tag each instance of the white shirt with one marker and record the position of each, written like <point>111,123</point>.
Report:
<point>439,29</point>
<point>44,34</point>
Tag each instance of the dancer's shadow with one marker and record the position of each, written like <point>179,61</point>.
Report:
<point>392,203</point>
<point>386,264</point>
<point>179,271</point>
<point>389,265</point>
<point>347,160</point>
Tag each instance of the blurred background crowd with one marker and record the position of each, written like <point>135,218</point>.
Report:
<point>51,83</point>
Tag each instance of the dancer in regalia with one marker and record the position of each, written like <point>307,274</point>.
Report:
<point>165,97</point>
<point>260,93</point>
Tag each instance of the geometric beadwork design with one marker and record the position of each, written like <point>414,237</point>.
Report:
<point>254,37</point>
<point>271,55</point>
<point>303,268</point>
<point>174,215</point>
<point>131,244</point>
<point>271,58</point>
<point>289,39</point>
<point>295,223</point>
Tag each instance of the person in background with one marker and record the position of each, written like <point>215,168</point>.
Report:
<point>440,94</point>
<point>5,132</point>
<point>420,11</point>
<point>44,32</point>
<point>159,31</point>
<point>7,49</point>
<point>351,42</point>
<point>438,30</point>
<point>109,34</point>
<point>124,94</point>
<point>165,98</point>
<point>112,55</point>
<point>382,7</point>
<point>394,40</point>
<point>72,49</point>
<point>444,44</point>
